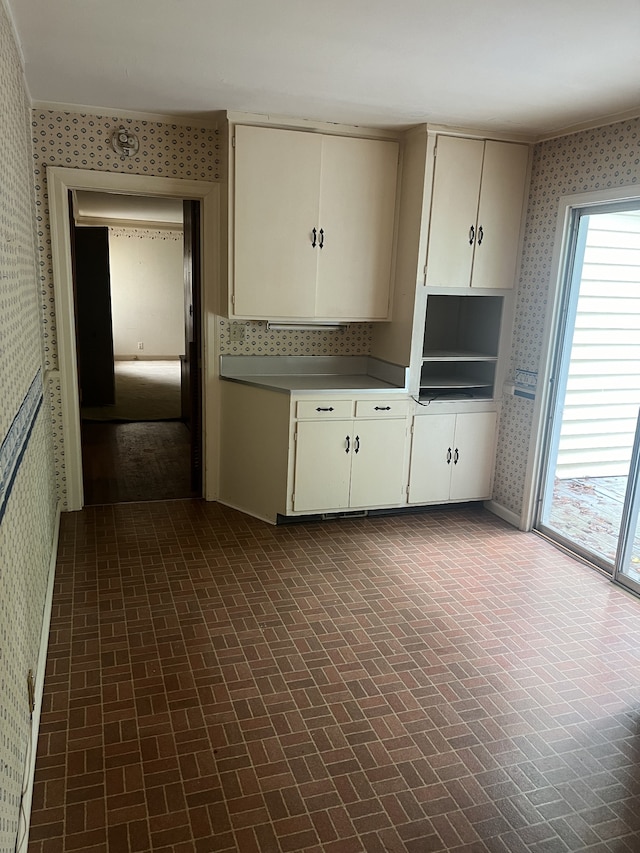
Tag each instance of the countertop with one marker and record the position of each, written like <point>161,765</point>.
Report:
<point>314,374</point>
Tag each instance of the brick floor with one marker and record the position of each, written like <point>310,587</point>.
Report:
<point>419,683</point>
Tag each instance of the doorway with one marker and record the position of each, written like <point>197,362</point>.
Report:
<point>137,301</point>
<point>589,463</point>
<point>206,196</point>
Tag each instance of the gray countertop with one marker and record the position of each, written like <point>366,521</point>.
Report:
<point>326,374</point>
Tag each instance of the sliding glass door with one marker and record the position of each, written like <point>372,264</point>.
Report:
<point>596,389</point>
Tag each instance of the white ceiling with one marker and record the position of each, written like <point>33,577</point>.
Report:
<point>527,66</point>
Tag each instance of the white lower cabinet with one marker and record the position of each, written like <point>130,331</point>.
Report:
<point>452,457</point>
<point>349,464</point>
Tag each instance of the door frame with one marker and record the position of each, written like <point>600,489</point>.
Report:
<point>60,181</point>
<point>544,391</point>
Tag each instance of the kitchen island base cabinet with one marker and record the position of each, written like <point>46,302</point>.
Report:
<point>452,457</point>
<point>349,464</point>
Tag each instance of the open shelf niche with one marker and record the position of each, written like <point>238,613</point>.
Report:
<point>460,349</point>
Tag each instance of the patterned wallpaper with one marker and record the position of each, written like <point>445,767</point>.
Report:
<point>27,489</point>
<point>583,162</point>
<point>354,339</point>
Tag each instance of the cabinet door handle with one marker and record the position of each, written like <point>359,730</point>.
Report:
<point>325,409</point>
<point>321,241</point>
<point>315,235</point>
<point>357,443</point>
<point>472,235</point>
<point>456,456</point>
<point>382,409</point>
<point>348,447</point>
<point>449,456</point>
<point>480,235</point>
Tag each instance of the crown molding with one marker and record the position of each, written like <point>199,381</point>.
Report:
<point>592,124</point>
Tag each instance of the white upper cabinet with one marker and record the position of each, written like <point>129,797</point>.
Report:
<point>476,213</point>
<point>357,207</point>
<point>312,225</point>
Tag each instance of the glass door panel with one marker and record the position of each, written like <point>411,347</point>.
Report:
<point>596,381</point>
<point>627,569</point>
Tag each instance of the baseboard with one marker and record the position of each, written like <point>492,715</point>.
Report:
<point>245,511</point>
<point>502,512</point>
<point>30,768</point>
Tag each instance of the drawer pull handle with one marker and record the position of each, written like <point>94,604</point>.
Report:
<point>348,440</point>
<point>456,456</point>
<point>480,235</point>
<point>449,456</point>
<point>321,409</point>
<point>472,235</point>
<point>321,241</point>
<point>357,443</point>
<point>382,409</point>
<point>313,242</point>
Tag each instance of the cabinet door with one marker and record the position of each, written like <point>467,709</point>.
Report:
<point>276,208</point>
<point>357,210</point>
<point>431,458</point>
<point>322,465</point>
<point>504,175</point>
<point>377,466</point>
<point>454,211</point>
<point>474,442</point>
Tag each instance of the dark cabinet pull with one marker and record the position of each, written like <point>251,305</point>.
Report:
<point>472,235</point>
<point>313,242</point>
<point>449,456</point>
<point>382,409</point>
<point>357,443</point>
<point>456,456</point>
<point>321,241</point>
<point>348,448</point>
<point>320,409</point>
<point>480,235</point>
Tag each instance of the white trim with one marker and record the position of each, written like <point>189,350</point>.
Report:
<point>30,762</point>
<point>502,512</point>
<point>566,205</point>
<point>592,124</point>
<point>115,113</point>
<point>60,180</point>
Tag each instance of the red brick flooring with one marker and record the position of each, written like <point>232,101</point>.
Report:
<point>419,683</point>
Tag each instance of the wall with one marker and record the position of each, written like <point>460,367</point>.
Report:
<point>27,493</point>
<point>147,292</point>
<point>582,162</point>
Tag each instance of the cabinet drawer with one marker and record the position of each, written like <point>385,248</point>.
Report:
<point>324,409</point>
<point>381,408</point>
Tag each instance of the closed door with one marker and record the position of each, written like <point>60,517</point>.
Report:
<point>377,468</point>
<point>454,211</point>
<point>504,174</point>
<point>276,208</point>
<point>473,456</point>
<point>431,458</point>
<point>357,209</point>
<point>322,465</point>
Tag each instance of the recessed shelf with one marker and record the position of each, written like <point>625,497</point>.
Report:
<point>460,347</point>
<point>457,355</point>
<point>453,382</point>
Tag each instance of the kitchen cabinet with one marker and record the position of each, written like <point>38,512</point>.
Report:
<point>346,463</point>
<point>313,223</point>
<point>452,457</point>
<point>476,212</point>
